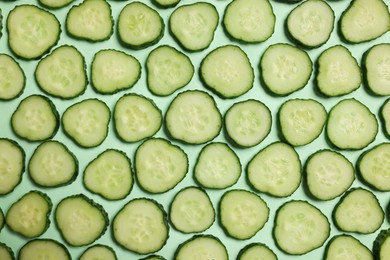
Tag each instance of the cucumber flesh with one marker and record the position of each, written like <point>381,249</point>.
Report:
<point>201,247</point>
<point>12,78</point>
<point>347,247</point>
<point>44,248</point>
<point>254,250</point>
<point>364,20</point>
<point>90,20</point>
<point>97,252</point>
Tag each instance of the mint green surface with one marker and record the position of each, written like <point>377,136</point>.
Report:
<point>254,52</point>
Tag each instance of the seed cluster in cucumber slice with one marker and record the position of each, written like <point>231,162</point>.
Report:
<point>168,129</point>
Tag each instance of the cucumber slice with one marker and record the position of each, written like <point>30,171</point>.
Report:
<point>159,165</point>
<point>276,170</point>
<point>166,3</point>
<point>193,25</point>
<point>45,248</point>
<point>328,174</point>
<point>12,165</point>
<point>168,70</point>
<point>113,71</point>
<point>80,220</point>
<point>32,31</point>
<point>311,23</point>
<point>62,73</point>
<point>381,245</point>
<point>6,252</point>
<point>97,252</point>
<point>217,166</point>
<point>285,69</point>
<point>52,165</point>
<point>300,227</point>
<point>346,247</point>
<point>141,226</point>
<point>35,119</point>
<point>373,167</point>
<point>12,78</point>
<point>358,211</point>
<point>351,125</point>
<point>249,21</point>
<point>338,72</point>
<point>248,122</point>
<point>301,120</point>
<point>193,117</point>
<point>86,122</point>
<point>375,64</point>
<point>242,213</point>
<point>2,220</point>
<point>90,20</point>
<point>201,247</point>
<point>191,210</point>
<point>109,175</point>
<point>136,117</point>
<point>364,20</point>
<point>54,4</point>
<point>139,26</point>
<point>255,249</point>
<point>384,114</point>
<point>29,215</point>
<point>227,71</point>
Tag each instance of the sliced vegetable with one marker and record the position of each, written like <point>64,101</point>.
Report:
<point>139,25</point>
<point>136,117</point>
<point>276,170</point>
<point>373,166</point>
<point>48,249</point>
<point>141,226</point>
<point>311,23</point>
<point>86,122</point>
<point>113,71</point>
<point>12,165</point>
<point>375,64</point>
<point>242,213</point>
<point>338,72</point>
<point>351,125</point>
<point>201,247</point>
<point>54,4</point>
<point>90,20</point>
<point>248,122</point>
<point>301,120</point>
<point>249,21</point>
<point>381,245</point>
<point>193,117</point>
<point>364,20</point>
<point>80,220</point>
<point>62,73</point>
<point>109,175</point>
<point>168,70</point>
<point>32,31</point>
<point>153,257</point>
<point>52,164</point>
<point>6,252</point>
<point>227,71</point>
<point>217,166</point>
<point>2,220</point>
<point>159,165</point>
<point>253,250</point>
<point>191,210</point>
<point>193,25</point>
<point>384,114</point>
<point>97,252</point>
<point>35,119</point>
<point>166,4</point>
<point>12,78</point>
<point>300,227</point>
<point>358,211</point>
<point>346,247</point>
<point>328,174</point>
<point>285,69</point>
<point>29,215</point>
